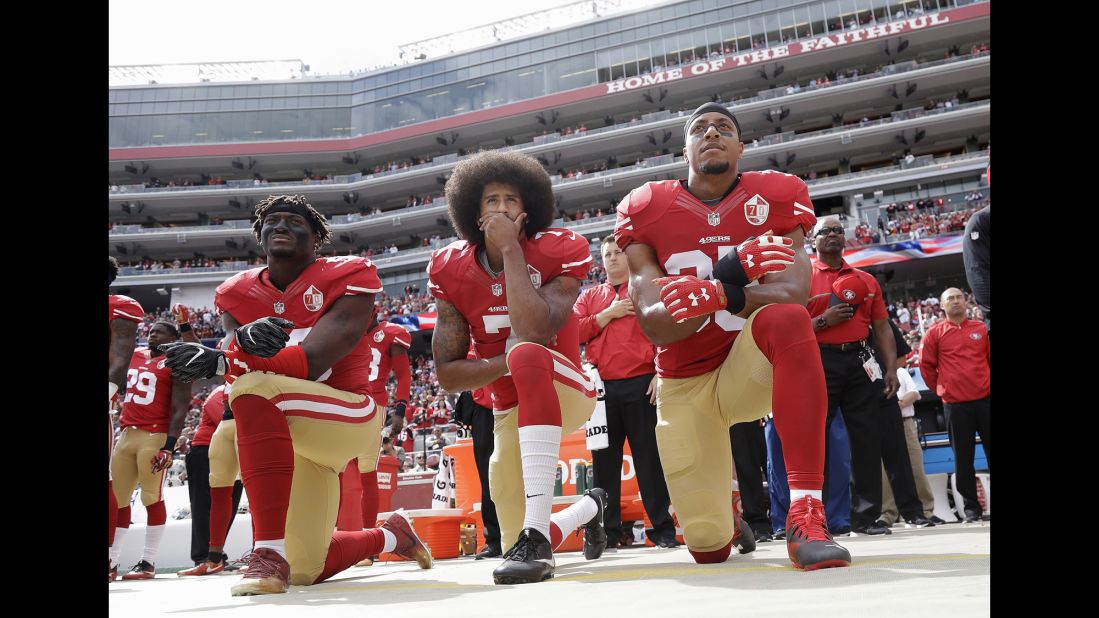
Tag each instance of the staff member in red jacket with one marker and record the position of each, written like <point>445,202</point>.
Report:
<point>625,360</point>
<point>956,364</point>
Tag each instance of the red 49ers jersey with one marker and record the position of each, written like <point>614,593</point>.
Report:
<point>148,402</point>
<point>381,338</point>
<point>250,295</point>
<point>122,308</point>
<point>212,410</point>
<point>456,276</point>
<point>689,237</point>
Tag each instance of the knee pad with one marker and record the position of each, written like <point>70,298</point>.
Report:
<point>706,519</point>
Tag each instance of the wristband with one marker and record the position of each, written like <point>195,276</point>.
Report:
<point>184,327</point>
<point>112,390</point>
<point>170,443</point>
<point>291,362</point>
<point>821,322</point>
<point>734,298</point>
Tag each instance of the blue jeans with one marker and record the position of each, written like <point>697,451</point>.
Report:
<point>837,504</point>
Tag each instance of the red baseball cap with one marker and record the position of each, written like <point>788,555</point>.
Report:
<point>851,289</point>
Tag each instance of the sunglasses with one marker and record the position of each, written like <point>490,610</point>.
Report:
<point>836,230</point>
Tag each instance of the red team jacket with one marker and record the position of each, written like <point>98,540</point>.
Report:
<point>689,237</point>
<point>956,360</point>
<point>212,410</point>
<point>382,337</point>
<point>148,401</point>
<point>619,350</point>
<point>249,296</point>
<point>454,275</point>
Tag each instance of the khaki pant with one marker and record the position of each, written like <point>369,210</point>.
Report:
<point>915,453</point>
<point>328,427</point>
<point>692,436</point>
<point>505,468</point>
<point>132,466</point>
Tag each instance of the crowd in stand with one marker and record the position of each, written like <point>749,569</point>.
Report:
<point>912,221</point>
<point>205,322</point>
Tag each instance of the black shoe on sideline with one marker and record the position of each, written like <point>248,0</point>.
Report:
<point>490,550</point>
<point>875,529</point>
<point>529,561</point>
<point>918,521</point>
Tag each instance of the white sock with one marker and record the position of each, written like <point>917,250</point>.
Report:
<point>116,549</point>
<point>539,446</point>
<point>575,516</point>
<point>153,534</point>
<point>278,545</point>
<point>797,494</point>
<point>390,540</point>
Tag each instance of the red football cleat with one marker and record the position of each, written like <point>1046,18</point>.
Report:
<point>808,540</point>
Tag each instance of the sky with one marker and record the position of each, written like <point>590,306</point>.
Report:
<point>331,36</point>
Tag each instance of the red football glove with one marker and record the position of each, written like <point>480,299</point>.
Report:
<point>181,313</point>
<point>161,460</point>
<point>755,258</point>
<point>689,297</point>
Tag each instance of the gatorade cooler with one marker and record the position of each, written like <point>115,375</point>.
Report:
<point>467,485</point>
<point>440,529</point>
<point>388,467</point>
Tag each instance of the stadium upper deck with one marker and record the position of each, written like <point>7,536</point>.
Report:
<point>884,63</point>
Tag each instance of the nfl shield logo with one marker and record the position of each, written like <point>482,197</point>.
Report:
<point>713,219</point>
<point>756,210</point>
<point>313,298</point>
<point>535,276</point>
<point>280,308</point>
<point>497,289</point>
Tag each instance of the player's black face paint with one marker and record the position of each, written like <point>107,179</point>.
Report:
<point>290,223</point>
<point>722,127</point>
<point>158,335</point>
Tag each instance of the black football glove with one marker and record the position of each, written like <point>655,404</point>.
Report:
<point>265,337</point>
<point>193,361</point>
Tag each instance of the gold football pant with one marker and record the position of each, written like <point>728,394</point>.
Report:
<point>328,428</point>
<point>224,462</point>
<point>505,468</point>
<point>132,465</point>
<point>692,435</point>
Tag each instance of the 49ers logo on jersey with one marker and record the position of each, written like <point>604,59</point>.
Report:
<point>378,336</point>
<point>756,210</point>
<point>313,299</point>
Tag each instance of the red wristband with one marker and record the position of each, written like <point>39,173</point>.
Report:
<point>291,362</point>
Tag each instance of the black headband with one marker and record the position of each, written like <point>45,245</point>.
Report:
<point>706,108</point>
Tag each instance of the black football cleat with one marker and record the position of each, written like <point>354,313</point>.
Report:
<point>529,561</point>
<point>744,540</point>
<point>595,536</point>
